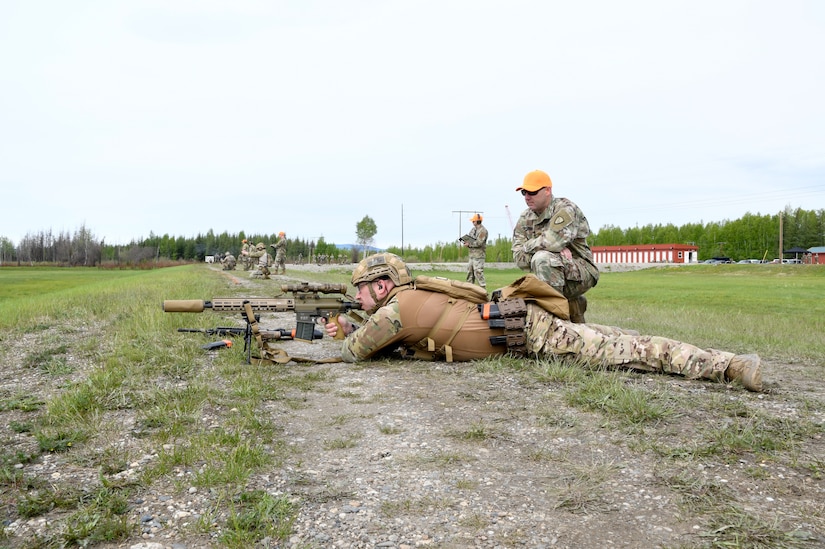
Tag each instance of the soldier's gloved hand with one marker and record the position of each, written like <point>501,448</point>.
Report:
<point>333,327</point>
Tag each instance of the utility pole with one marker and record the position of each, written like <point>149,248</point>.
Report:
<point>462,212</point>
<point>781,255</point>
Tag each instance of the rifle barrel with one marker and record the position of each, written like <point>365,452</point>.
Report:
<point>315,287</point>
<point>228,304</point>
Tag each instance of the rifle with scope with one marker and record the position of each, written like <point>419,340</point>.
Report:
<point>310,302</point>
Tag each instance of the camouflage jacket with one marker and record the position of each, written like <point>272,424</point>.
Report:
<point>264,260</point>
<point>412,317</point>
<point>280,249</point>
<point>478,246</point>
<point>562,225</point>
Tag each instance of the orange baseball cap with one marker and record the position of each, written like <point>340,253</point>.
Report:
<point>535,180</point>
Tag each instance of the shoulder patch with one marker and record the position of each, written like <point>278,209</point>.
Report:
<point>561,220</point>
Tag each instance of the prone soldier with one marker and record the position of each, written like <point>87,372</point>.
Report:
<point>423,324</point>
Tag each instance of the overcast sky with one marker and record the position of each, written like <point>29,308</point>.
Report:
<point>175,117</point>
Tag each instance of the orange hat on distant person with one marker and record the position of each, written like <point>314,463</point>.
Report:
<point>535,180</point>
<point>476,217</point>
<point>282,233</point>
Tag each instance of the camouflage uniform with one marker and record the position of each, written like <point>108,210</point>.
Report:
<point>280,254</point>
<point>263,260</point>
<point>245,259</point>
<point>228,262</point>
<point>410,316</point>
<point>539,239</point>
<point>478,253</point>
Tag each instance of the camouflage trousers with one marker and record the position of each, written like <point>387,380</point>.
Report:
<point>260,272</point>
<point>566,275</point>
<point>599,345</point>
<point>475,271</point>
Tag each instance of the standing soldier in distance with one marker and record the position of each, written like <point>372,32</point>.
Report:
<point>246,261</point>
<point>550,241</point>
<point>280,253</point>
<point>477,244</point>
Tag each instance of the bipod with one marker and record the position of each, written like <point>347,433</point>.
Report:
<point>251,320</point>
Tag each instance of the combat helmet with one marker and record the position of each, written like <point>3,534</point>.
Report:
<point>382,265</point>
<point>260,245</point>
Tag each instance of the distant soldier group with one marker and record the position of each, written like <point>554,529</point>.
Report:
<point>256,258</point>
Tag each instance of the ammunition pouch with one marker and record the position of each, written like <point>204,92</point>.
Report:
<point>509,314</point>
<point>514,323</point>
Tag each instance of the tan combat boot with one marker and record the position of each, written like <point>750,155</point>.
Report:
<point>577,307</point>
<point>745,369</point>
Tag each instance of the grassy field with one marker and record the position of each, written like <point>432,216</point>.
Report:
<point>775,310</point>
<point>95,346</point>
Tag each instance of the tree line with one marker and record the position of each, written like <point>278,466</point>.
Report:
<point>751,236</point>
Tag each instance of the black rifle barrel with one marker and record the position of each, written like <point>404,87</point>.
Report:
<point>229,304</point>
<point>315,287</point>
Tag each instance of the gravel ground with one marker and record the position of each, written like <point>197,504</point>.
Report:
<point>419,454</point>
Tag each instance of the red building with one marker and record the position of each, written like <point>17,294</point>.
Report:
<point>815,255</point>
<point>646,253</point>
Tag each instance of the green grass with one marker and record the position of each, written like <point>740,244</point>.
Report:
<point>29,292</point>
<point>774,310</point>
<point>113,320</point>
